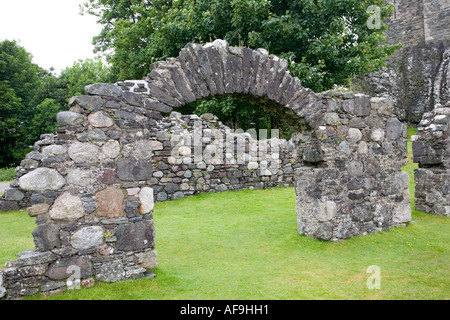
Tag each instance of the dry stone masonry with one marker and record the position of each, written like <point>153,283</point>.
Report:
<point>417,77</point>
<point>431,150</point>
<point>122,147</point>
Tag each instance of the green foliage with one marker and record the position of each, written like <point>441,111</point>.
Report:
<point>18,71</point>
<point>327,42</point>
<point>30,97</point>
<point>7,174</point>
<point>82,73</point>
<point>19,82</point>
<point>44,119</point>
<point>234,113</point>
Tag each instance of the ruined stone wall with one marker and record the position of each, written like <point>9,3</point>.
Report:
<point>200,155</point>
<point>92,187</point>
<point>431,150</point>
<point>360,187</point>
<point>436,17</point>
<point>416,76</point>
<point>406,25</point>
<point>224,160</point>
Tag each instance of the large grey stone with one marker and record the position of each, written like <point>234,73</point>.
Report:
<point>83,152</point>
<point>111,149</point>
<point>42,179</point>
<point>8,205</point>
<point>135,236</point>
<point>362,105</point>
<point>46,236</point>
<point>344,147</point>
<point>402,213</point>
<point>130,169</point>
<point>68,118</point>
<point>355,169</point>
<point>354,135</point>
<point>327,211</point>
<point>60,269</point>
<point>161,196</point>
<point>141,149</point>
<point>104,89</point>
<point>313,154</point>
<point>54,151</point>
<point>13,195</point>
<point>87,237</point>
<point>147,259</point>
<point>99,120</point>
<point>221,188</point>
<point>67,208</point>
<point>394,128</point>
<point>79,177</point>
<point>96,135</point>
<point>52,286</point>
<point>111,271</point>
<point>324,232</point>
<point>90,103</point>
<point>171,188</point>
<point>28,258</point>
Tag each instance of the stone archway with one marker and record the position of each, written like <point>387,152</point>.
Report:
<point>91,187</point>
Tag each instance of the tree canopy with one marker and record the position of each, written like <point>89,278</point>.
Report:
<point>326,41</point>
<point>30,97</point>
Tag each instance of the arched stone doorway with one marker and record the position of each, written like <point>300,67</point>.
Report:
<point>91,187</point>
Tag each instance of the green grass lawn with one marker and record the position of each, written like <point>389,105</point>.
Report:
<point>245,245</point>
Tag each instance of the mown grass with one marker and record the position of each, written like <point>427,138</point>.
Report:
<point>245,245</point>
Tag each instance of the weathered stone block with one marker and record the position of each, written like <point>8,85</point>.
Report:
<point>42,179</point>
<point>61,269</point>
<point>68,118</point>
<point>99,120</point>
<point>135,236</point>
<point>90,103</point>
<point>130,169</point>
<point>394,128</point>
<point>87,237</point>
<point>67,208</point>
<point>146,200</point>
<point>111,271</point>
<point>111,203</point>
<point>147,259</point>
<point>28,258</point>
<point>8,205</point>
<point>83,152</point>
<point>104,89</point>
<point>313,153</point>
<point>46,236</point>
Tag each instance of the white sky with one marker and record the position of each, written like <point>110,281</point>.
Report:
<point>53,31</point>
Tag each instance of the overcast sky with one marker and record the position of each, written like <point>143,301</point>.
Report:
<point>53,31</point>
